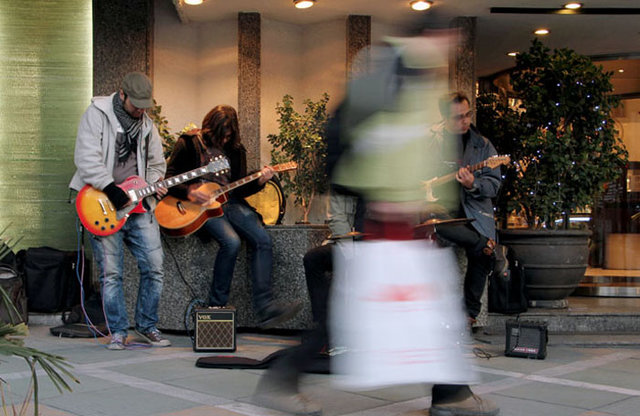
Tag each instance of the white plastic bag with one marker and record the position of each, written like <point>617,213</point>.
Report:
<point>397,310</point>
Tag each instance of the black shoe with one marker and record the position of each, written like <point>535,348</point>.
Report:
<point>275,314</point>
<point>269,394</point>
<point>471,406</point>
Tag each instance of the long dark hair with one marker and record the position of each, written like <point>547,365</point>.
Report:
<point>220,121</point>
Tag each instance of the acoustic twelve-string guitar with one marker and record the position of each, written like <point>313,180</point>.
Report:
<point>99,216</point>
<point>179,218</point>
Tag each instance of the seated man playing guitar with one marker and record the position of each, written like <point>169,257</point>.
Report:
<point>462,146</point>
<point>220,137</point>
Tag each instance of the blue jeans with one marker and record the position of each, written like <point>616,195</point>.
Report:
<point>141,234</point>
<point>240,221</point>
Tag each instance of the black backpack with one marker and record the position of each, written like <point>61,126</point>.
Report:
<point>50,278</point>
<point>507,290</point>
<point>13,299</point>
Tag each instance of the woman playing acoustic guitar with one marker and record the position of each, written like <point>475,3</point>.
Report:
<point>220,137</point>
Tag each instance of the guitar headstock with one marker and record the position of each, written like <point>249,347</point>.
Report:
<point>497,160</point>
<point>218,165</point>
<point>283,167</point>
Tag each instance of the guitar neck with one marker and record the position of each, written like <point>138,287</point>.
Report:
<point>170,182</point>
<point>448,177</point>
<point>247,179</point>
<point>236,184</point>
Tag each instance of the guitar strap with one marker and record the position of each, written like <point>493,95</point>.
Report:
<point>204,150</point>
<point>146,154</point>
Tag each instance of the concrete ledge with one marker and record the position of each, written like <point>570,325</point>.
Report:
<point>188,267</point>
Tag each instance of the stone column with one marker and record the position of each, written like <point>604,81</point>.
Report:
<point>249,85</point>
<point>462,77</point>
<point>358,37</point>
<point>122,41</point>
<point>462,58</point>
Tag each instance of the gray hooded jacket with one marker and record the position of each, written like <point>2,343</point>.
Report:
<point>95,148</point>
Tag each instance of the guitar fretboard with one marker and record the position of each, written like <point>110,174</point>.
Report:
<point>178,179</point>
<point>233,185</point>
<point>450,176</point>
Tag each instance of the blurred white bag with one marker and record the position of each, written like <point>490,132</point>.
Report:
<point>397,309</point>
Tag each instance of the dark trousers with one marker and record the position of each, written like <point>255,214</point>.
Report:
<point>479,264</point>
<point>318,269</point>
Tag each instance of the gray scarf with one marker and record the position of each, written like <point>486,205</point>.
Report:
<point>132,129</point>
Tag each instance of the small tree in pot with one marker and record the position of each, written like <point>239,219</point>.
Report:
<point>561,138</point>
<point>565,149</point>
<point>302,139</point>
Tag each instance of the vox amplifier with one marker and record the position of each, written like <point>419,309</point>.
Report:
<point>215,329</point>
<point>526,339</point>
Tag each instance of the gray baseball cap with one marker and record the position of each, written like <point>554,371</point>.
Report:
<point>138,88</point>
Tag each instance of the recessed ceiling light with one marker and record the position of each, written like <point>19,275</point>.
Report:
<point>304,4</point>
<point>621,70</point>
<point>541,31</point>
<point>512,53</point>
<point>420,4</point>
<point>194,2</point>
<point>573,5</point>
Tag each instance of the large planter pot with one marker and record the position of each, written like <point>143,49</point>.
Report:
<point>554,262</point>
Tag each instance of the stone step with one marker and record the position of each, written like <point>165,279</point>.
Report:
<point>610,283</point>
<point>584,315</point>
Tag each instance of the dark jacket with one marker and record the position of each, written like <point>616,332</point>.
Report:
<point>477,202</point>
<point>188,155</point>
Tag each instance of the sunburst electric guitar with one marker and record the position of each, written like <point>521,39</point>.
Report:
<point>179,218</point>
<point>99,216</point>
<point>492,162</point>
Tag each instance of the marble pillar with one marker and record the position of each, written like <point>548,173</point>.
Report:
<point>462,59</point>
<point>122,41</point>
<point>358,37</point>
<point>249,85</point>
<point>462,77</point>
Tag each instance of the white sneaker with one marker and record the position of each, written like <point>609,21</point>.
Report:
<point>117,342</point>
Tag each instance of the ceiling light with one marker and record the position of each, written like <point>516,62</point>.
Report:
<point>194,2</point>
<point>621,70</point>
<point>420,4</point>
<point>573,5</point>
<point>304,4</point>
<point>512,53</point>
<point>541,31</point>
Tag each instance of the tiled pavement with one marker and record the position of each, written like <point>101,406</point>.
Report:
<point>586,375</point>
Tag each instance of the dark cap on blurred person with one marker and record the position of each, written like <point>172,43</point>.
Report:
<point>434,19</point>
<point>137,86</point>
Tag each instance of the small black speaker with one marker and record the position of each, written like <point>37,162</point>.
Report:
<point>215,329</point>
<point>526,339</point>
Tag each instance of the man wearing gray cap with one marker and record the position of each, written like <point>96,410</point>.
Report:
<point>116,140</point>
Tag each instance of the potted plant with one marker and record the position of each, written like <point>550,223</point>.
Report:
<point>564,148</point>
<point>301,139</point>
